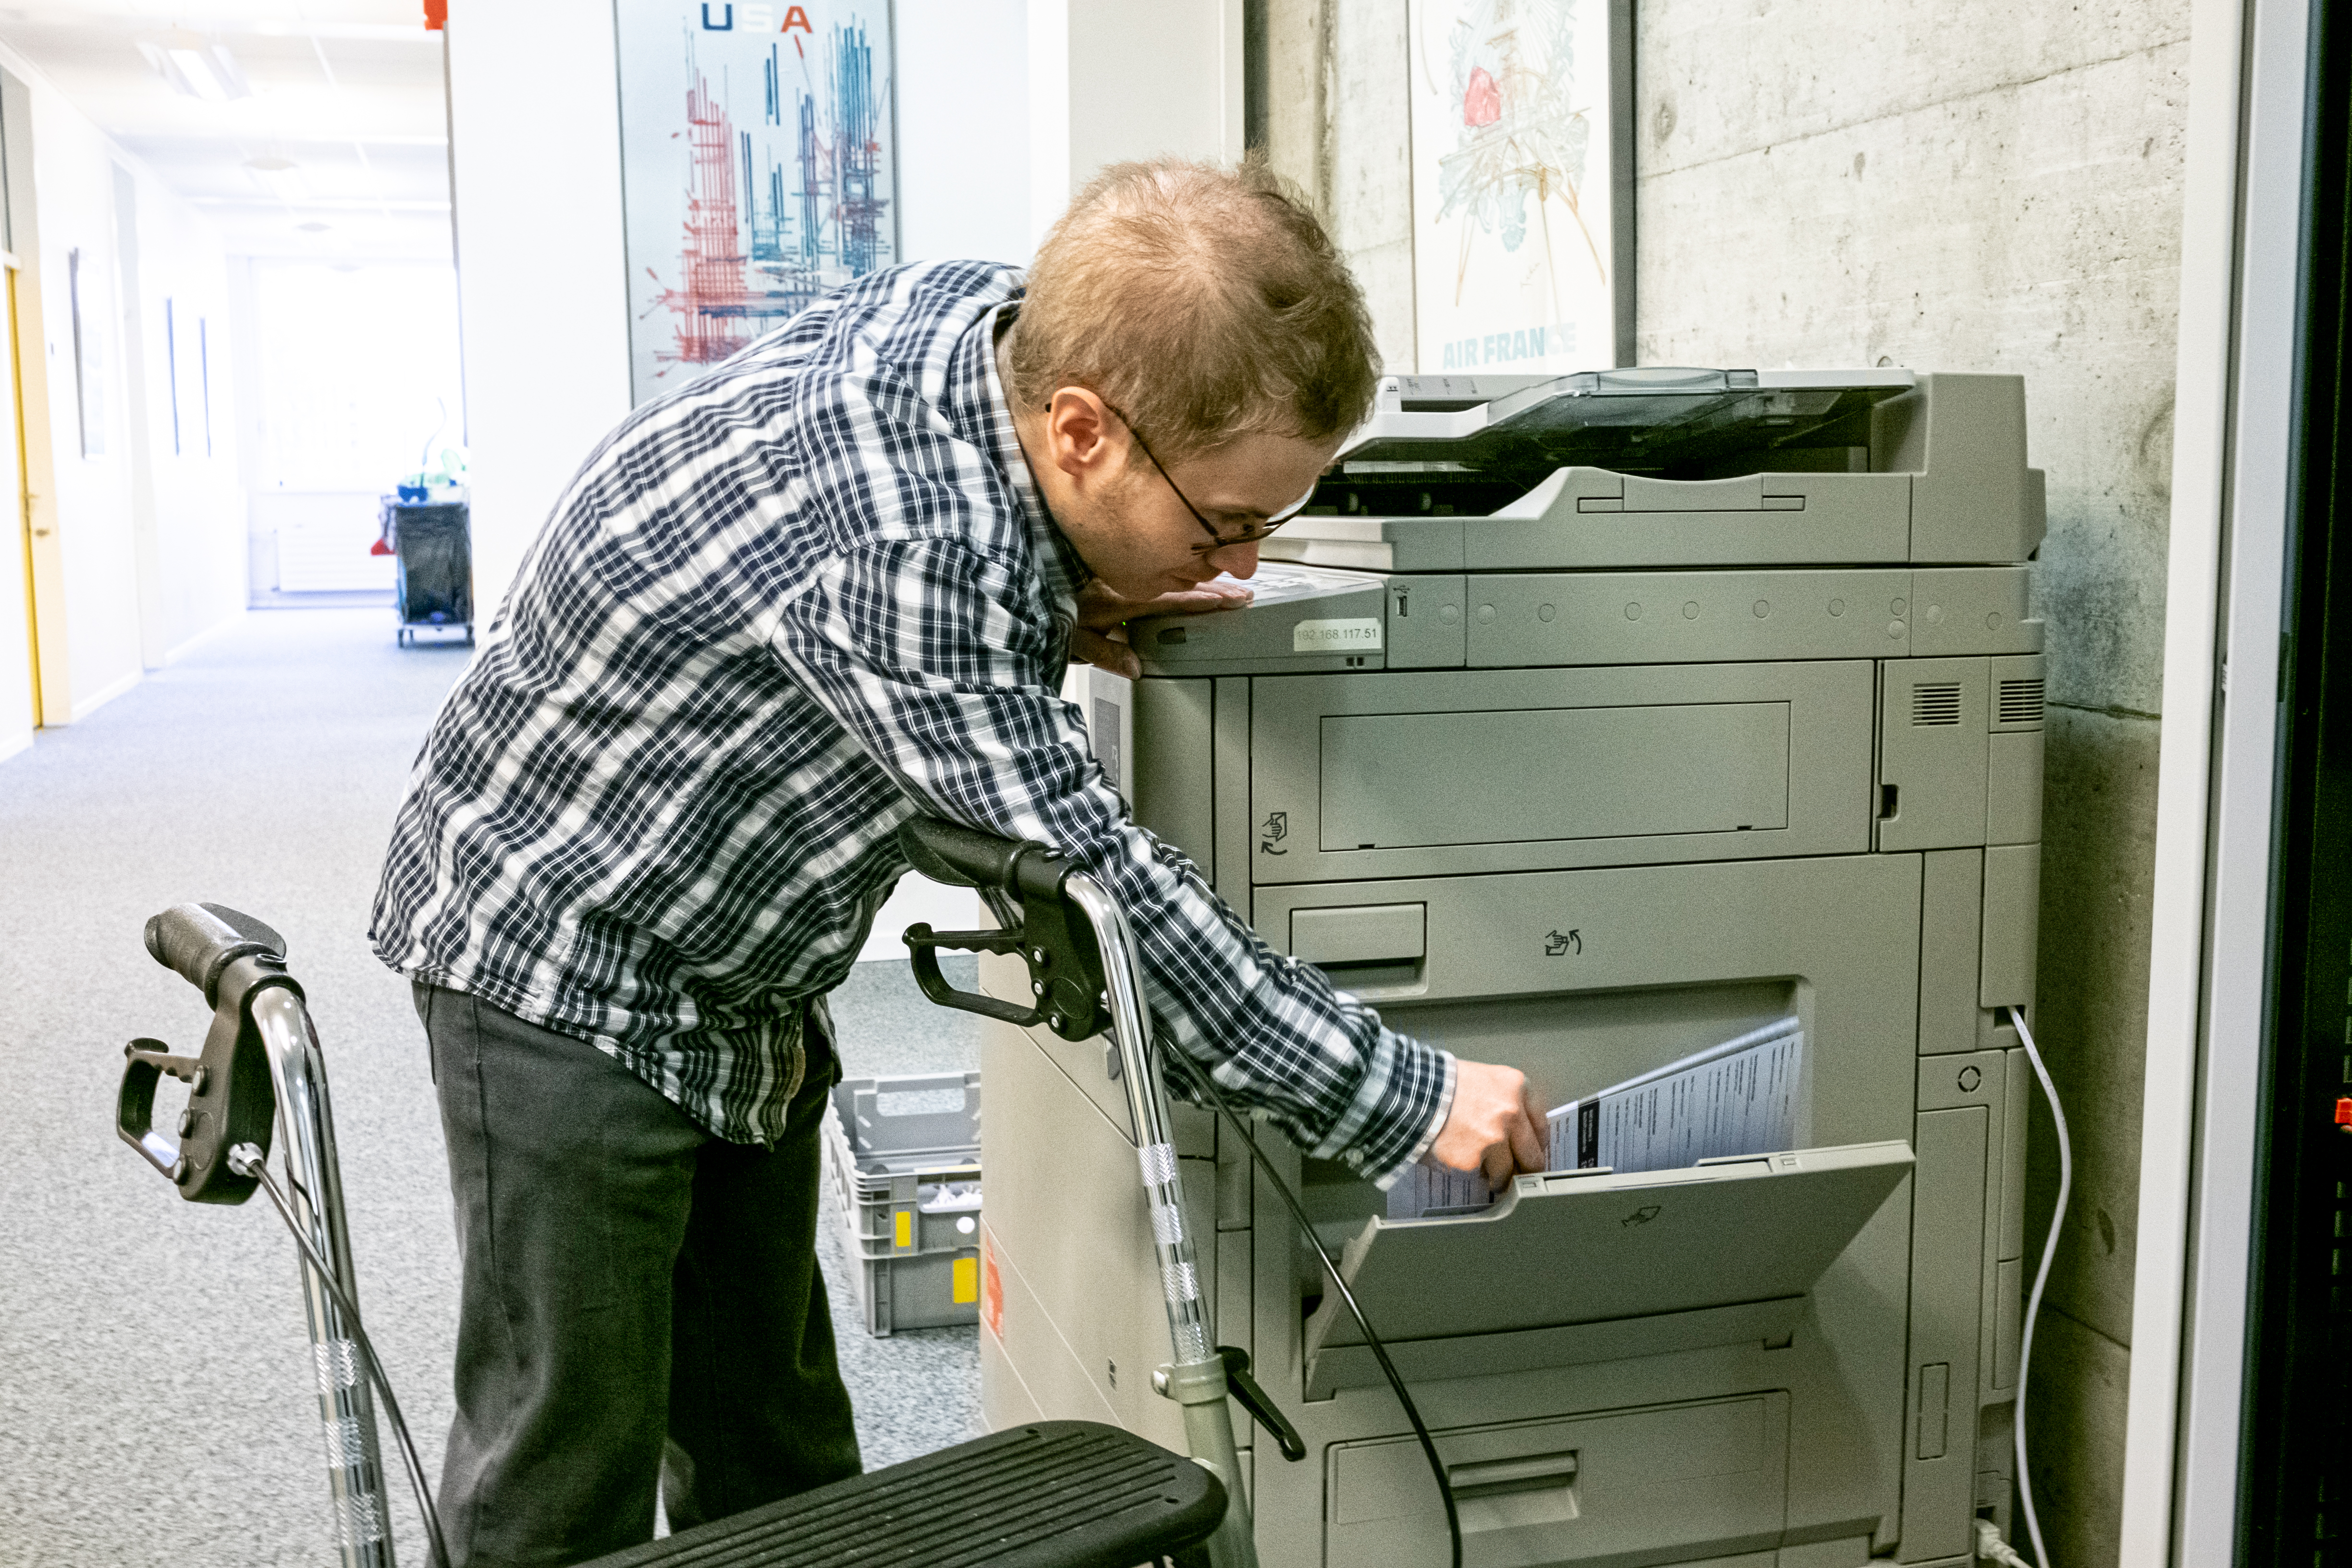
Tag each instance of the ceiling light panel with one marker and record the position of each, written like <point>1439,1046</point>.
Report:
<point>197,68</point>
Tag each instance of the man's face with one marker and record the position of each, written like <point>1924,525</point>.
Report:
<point>1127,520</point>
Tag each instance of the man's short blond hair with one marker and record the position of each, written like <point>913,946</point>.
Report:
<point>1203,303</point>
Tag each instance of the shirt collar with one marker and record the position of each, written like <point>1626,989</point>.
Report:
<point>1058,563</point>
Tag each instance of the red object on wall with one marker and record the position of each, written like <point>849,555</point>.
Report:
<point>991,1288</point>
<point>1483,103</point>
<point>437,15</point>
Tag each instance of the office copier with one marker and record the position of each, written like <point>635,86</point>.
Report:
<point>1580,724</point>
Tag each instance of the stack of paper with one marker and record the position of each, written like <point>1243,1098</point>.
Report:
<point>1741,1098</point>
<point>1424,1192</point>
<point>1738,1098</point>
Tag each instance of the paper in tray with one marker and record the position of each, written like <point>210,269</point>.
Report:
<point>1737,1098</point>
<point>1741,1098</point>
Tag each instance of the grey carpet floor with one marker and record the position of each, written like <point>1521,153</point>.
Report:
<point>155,1405</point>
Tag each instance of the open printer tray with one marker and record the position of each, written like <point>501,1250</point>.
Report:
<point>1714,1253</point>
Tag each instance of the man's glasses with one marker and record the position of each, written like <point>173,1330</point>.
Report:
<point>1249,535</point>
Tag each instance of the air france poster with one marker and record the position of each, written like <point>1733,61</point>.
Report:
<point>1514,132</point>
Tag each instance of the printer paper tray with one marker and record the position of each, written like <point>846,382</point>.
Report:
<point>1570,1345</point>
<point>1593,1248</point>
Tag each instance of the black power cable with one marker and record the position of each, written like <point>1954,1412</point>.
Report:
<point>246,1160</point>
<point>1200,1076</point>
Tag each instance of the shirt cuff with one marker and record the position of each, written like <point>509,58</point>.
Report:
<point>1399,1109</point>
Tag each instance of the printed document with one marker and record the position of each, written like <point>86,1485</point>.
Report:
<point>1734,1099</point>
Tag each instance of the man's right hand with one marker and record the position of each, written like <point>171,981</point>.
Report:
<point>1494,1125</point>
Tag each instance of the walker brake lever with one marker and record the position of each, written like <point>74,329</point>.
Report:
<point>1262,1410</point>
<point>922,950</point>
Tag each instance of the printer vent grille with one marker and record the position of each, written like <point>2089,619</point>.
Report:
<point>1935,704</point>
<point>2020,701</point>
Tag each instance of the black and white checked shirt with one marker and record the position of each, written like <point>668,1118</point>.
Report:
<point>778,610</point>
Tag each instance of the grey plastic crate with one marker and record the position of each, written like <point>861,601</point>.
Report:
<point>902,1157</point>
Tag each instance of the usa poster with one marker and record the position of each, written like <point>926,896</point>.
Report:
<point>758,169</point>
<point>1521,185</point>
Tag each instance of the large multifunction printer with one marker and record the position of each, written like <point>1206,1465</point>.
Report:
<point>1580,724</point>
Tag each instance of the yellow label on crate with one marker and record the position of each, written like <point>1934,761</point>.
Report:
<point>966,1280</point>
<point>906,1227</point>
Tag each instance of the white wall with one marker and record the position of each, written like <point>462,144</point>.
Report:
<point>535,136</point>
<point>1113,81</point>
<point>73,176</point>
<point>350,378</point>
<point>964,130</point>
<point>181,546</point>
<point>198,542</point>
<point>535,146</point>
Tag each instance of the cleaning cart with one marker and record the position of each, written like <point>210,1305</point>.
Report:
<point>432,544</point>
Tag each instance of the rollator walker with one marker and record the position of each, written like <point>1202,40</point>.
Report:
<point>1052,1494</point>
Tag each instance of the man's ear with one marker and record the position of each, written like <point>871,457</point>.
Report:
<point>1083,439</point>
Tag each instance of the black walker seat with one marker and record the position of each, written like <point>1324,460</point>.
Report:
<point>1052,1494</point>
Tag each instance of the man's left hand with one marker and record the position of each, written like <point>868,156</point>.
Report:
<point>1100,638</point>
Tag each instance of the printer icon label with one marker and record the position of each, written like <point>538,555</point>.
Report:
<point>1276,829</point>
<point>1557,943</point>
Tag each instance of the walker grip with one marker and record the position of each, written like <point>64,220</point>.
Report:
<point>964,856</point>
<point>199,940</point>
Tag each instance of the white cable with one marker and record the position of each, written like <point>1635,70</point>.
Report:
<point>2041,1277</point>
<point>1992,1548</point>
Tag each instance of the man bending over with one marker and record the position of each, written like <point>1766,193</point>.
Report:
<point>834,582</point>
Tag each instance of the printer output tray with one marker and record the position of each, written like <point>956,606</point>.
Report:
<point>1577,1247</point>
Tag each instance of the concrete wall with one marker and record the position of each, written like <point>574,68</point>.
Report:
<point>1825,183</point>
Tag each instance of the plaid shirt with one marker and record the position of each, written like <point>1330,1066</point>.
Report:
<point>779,610</point>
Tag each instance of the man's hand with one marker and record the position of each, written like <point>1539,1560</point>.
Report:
<point>1493,1126</point>
<point>1100,638</point>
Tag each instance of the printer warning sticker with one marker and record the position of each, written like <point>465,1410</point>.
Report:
<point>1356,636</point>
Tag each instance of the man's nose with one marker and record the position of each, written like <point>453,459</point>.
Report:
<point>1235,560</point>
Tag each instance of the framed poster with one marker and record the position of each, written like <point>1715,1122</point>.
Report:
<point>1522,184</point>
<point>758,169</point>
<point>86,295</point>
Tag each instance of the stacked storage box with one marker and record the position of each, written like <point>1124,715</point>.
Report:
<point>902,1156</point>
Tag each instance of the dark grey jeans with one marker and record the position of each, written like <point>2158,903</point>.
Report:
<point>640,1300</point>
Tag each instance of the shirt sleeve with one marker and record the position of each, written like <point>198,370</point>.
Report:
<point>936,657</point>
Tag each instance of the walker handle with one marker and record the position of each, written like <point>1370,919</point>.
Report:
<point>199,940</point>
<point>1024,882</point>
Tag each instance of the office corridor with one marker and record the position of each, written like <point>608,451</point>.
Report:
<point>156,1405</point>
